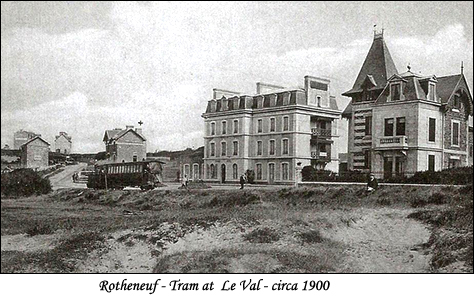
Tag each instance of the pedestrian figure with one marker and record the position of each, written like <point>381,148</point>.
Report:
<point>185,181</point>
<point>242,181</point>
<point>372,184</point>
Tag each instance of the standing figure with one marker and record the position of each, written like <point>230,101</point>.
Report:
<point>242,181</point>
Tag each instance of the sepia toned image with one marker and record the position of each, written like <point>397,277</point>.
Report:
<point>236,137</point>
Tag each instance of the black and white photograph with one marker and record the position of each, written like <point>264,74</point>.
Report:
<point>246,138</point>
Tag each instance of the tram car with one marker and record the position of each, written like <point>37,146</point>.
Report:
<point>143,174</point>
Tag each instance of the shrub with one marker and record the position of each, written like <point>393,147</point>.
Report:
<point>311,237</point>
<point>312,175</point>
<point>39,229</point>
<point>250,174</point>
<point>262,235</point>
<point>234,200</point>
<point>24,182</point>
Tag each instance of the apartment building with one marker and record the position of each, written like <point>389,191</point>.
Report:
<point>270,132</point>
<point>401,123</point>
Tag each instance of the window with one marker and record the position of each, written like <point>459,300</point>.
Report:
<point>224,127</point>
<point>236,148</point>
<point>388,127</point>
<point>223,148</point>
<point>259,126</point>
<point>285,148</point>
<point>259,171</point>
<point>135,158</point>
<point>323,150</point>
<point>213,149</point>
<point>285,171</point>
<point>234,171</point>
<point>431,162</point>
<point>367,159</point>
<point>455,131</point>
<point>432,130</point>
<point>236,126</point>
<point>259,148</point>
<point>395,91</point>
<point>401,126</point>
<point>272,124</point>
<point>432,92</point>
<point>368,125</point>
<point>272,147</point>
<point>318,101</point>
<point>286,123</point>
<point>213,128</point>
<point>456,102</point>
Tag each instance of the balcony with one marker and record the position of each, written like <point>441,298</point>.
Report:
<point>397,142</point>
<point>323,133</point>
<point>323,156</point>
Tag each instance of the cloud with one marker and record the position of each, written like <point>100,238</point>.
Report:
<point>159,62</point>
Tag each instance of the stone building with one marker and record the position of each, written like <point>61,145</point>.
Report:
<point>63,143</point>
<point>35,153</point>
<point>401,123</point>
<point>270,132</point>
<point>20,137</point>
<point>125,145</point>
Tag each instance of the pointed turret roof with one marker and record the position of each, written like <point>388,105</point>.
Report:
<point>378,66</point>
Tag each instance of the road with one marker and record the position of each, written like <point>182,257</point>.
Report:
<point>64,178</point>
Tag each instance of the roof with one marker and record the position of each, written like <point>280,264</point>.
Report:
<point>378,66</point>
<point>65,136</point>
<point>446,86</point>
<point>116,134</point>
<point>33,139</point>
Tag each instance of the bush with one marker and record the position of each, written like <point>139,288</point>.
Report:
<point>311,237</point>
<point>24,182</point>
<point>39,229</point>
<point>310,174</point>
<point>452,176</point>
<point>250,174</point>
<point>234,200</point>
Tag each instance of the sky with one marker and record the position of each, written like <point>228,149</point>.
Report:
<point>85,67</point>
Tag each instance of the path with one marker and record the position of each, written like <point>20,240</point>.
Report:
<point>64,178</point>
<point>383,241</point>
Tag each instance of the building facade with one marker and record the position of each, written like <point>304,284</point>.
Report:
<point>63,143</point>
<point>125,145</point>
<point>21,137</point>
<point>35,153</point>
<point>403,123</point>
<point>268,133</point>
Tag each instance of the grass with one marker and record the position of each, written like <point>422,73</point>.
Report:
<point>268,220</point>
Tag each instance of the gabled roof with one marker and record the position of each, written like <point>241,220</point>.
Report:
<point>378,64</point>
<point>447,85</point>
<point>68,138</point>
<point>116,134</point>
<point>33,139</point>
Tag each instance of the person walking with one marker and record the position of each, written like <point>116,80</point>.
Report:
<point>242,181</point>
<point>185,181</point>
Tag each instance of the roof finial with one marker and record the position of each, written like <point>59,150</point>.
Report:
<point>409,67</point>
<point>462,67</point>
<point>140,123</point>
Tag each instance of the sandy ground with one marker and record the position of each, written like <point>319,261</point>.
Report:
<point>377,241</point>
<point>383,241</point>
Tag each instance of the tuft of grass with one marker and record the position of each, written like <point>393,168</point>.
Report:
<point>262,235</point>
<point>40,229</point>
<point>311,237</point>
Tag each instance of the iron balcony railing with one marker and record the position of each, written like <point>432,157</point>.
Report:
<point>393,142</point>
<point>321,132</point>
<point>320,155</point>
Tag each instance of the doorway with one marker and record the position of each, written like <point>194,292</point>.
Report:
<point>387,167</point>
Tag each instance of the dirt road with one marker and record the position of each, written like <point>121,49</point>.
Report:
<point>64,178</point>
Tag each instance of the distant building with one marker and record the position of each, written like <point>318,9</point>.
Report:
<point>20,137</point>
<point>125,145</point>
<point>270,132</point>
<point>401,123</point>
<point>63,143</point>
<point>35,153</point>
<point>470,147</point>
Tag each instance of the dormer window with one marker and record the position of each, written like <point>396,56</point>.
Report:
<point>432,92</point>
<point>456,101</point>
<point>395,91</point>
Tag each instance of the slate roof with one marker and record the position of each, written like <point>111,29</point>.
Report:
<point>446,86</point>
<point>378,66</point>
<point>65,136</point>
<point>34,138</point>
<point>111,135</point>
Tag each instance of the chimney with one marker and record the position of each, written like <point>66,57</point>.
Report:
<point>127,127</point>
<point>139,131</point>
